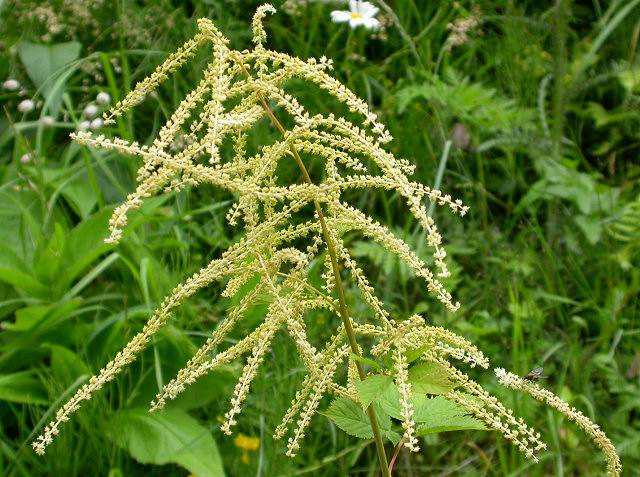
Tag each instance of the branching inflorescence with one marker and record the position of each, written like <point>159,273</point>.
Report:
<point>233,95</point>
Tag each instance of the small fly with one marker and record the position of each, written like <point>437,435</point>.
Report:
<point>536,374</point>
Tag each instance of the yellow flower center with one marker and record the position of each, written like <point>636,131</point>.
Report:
<point>355,16</point>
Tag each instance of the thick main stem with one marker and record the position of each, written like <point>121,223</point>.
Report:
<point>344,314</point>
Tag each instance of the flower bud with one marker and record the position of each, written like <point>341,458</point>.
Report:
<point>97,123</point>
<point>11,85</point>
<point>103,98</point>
<point>91,110</point>
<point>26,106</point>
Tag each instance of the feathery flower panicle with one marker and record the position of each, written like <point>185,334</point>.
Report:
<point>401,369</point>
<point>288,226</point>
<point>510,380</point>
<point>246,79</point>
<point>487,408</point>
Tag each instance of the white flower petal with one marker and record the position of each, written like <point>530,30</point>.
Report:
<point>371,23</point>
<point>368,10</point>
<point>355,22</point>
<point>340,16</point>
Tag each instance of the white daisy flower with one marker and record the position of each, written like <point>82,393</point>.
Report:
<point>360,13</point>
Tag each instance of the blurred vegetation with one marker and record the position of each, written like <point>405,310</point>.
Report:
<point>531,118</point>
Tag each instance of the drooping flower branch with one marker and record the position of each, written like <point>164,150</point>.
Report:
<point>526,386</point>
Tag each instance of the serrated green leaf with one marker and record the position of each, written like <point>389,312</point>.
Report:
<point>433,415</point>
<point>369,362</point>
<point>430,378</point>
<point>454,423</point>
<point>413,354</point>
<point>393,436</point>
<point>349,417</point>
<point>439,412</point>
<point>171,436</point>
<point>372,387</point>
<point>389,401</point>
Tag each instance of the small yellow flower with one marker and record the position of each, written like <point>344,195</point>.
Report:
<point>247,444</point>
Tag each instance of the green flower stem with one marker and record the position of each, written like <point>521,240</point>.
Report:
<point>344,314</point>
<point>312,288</point>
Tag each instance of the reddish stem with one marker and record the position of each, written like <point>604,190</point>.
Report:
<point>395,456</point>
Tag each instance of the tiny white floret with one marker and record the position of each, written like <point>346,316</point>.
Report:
<point>360,14</point>
<point>26,106</point>
<point>103,98</point>
<point>11,85</point>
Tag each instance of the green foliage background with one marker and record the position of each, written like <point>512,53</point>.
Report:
<point>533,122</point>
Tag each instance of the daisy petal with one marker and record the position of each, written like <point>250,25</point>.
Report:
<point>368,10</point>
<point>370,23</point>
<point>340,16</point>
